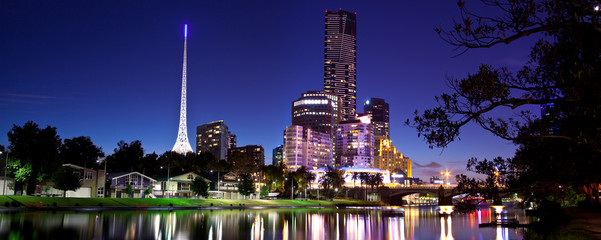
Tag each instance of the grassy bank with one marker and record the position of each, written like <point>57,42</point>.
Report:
<point>162,202</point>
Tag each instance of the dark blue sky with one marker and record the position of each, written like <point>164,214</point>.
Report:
<point>111,70</point>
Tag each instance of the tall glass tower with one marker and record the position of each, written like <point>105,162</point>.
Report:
<point>340,59</point>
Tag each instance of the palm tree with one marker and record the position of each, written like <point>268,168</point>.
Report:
<point>354,178</point>
<point>364,177</point>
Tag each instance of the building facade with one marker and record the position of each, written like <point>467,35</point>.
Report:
<point>354,146</point>
<point>139,183</point>
<point>213,137</point>
<point>317,110</point>
<point>92,183</point>
<point>340,59</point>
<point>377,109</point>
<point>277,156</point>
<point>306,147</point>
<point>388,158</point>
<point>176,186</point>
<point>255,152</point>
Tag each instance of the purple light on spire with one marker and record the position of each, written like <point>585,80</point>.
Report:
<point>185,30</point>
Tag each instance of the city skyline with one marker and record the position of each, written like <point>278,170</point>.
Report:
<point>71,68</point>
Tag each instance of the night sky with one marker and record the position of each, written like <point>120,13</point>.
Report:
<point>111,70</point>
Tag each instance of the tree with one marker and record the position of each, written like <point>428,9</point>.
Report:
<point>20,170</point>
<point>354,177</point>
<point>129,190</point>
<point>332,179</point>
<point>274,176</point>
<point>37,148</point>
<point>246,186</point>
<point>66,179</point>
<point>562,73</point>
<point>80,151</point>
<point>148,191</point>
<point>126,157</point>
<point>200,187</point>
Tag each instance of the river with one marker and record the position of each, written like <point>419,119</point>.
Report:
<point>418,222</point>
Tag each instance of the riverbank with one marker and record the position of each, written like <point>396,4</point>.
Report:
<point>588,222</point>
<point>21,203</point>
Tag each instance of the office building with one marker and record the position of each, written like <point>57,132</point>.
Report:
<point>278,155</point>
<point>340,59</point>
<point>377,109</point>
<point>354,146</point>
<point>316,110</point>
<point>306,147</point>
<point>255,152</point>
<point>213,137</point>
<point>388,158</point>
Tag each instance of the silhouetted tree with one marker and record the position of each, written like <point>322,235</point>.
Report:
<point>126,157</point>
<point>66,179</point>
<point>200,187</point>
<point>563,71</point>
<point>37,148</point>
<point>80,151</point>
<point>246,186</point>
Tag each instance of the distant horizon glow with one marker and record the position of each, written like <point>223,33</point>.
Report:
<point>186,30</point>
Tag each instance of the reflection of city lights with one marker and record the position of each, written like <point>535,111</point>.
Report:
<point>257,230</point>
<point>445,209</point>
<point>316,224</point>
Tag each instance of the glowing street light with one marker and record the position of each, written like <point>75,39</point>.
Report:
<point>446,173</point>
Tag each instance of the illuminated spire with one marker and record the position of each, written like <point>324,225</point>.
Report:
<point>182,144</point>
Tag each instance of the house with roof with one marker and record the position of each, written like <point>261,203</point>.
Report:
<point>92,183</point>
<point>177,186</point>
<point>139,183</point>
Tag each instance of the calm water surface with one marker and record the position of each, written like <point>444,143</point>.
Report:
<point>355,223</point>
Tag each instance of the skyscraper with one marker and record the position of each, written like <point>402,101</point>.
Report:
<point>377,109</point>
<point>317,110</point>
<point>354,143</point>
<point>306,147</point>
<point>213,137</point>
<point>340,59</point>
<point>182,144</point>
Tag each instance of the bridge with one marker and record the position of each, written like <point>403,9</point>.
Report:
<point>395,194</point>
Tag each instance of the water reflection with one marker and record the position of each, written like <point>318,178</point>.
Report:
<point>357,223</point>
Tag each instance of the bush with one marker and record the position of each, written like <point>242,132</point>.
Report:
<point>7,204</point>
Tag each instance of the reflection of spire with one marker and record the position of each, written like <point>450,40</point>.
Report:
<point>449,232</point>
<point>182,145</point>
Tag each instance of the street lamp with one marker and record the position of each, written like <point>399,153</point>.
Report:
<point>446,173</point>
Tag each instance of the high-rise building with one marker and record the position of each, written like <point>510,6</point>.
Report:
<point>306,147</point>
<point>277,156</point>
<point>182,144</point>
<point>388,158</point>
<point>317,110</point>
<point>255,152</point>
<point>354,143</point>
<point>550,117</point>
<point>233,140</point>
<point>213,137</point>
<point>340,59</point>
<point>377,109</point>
